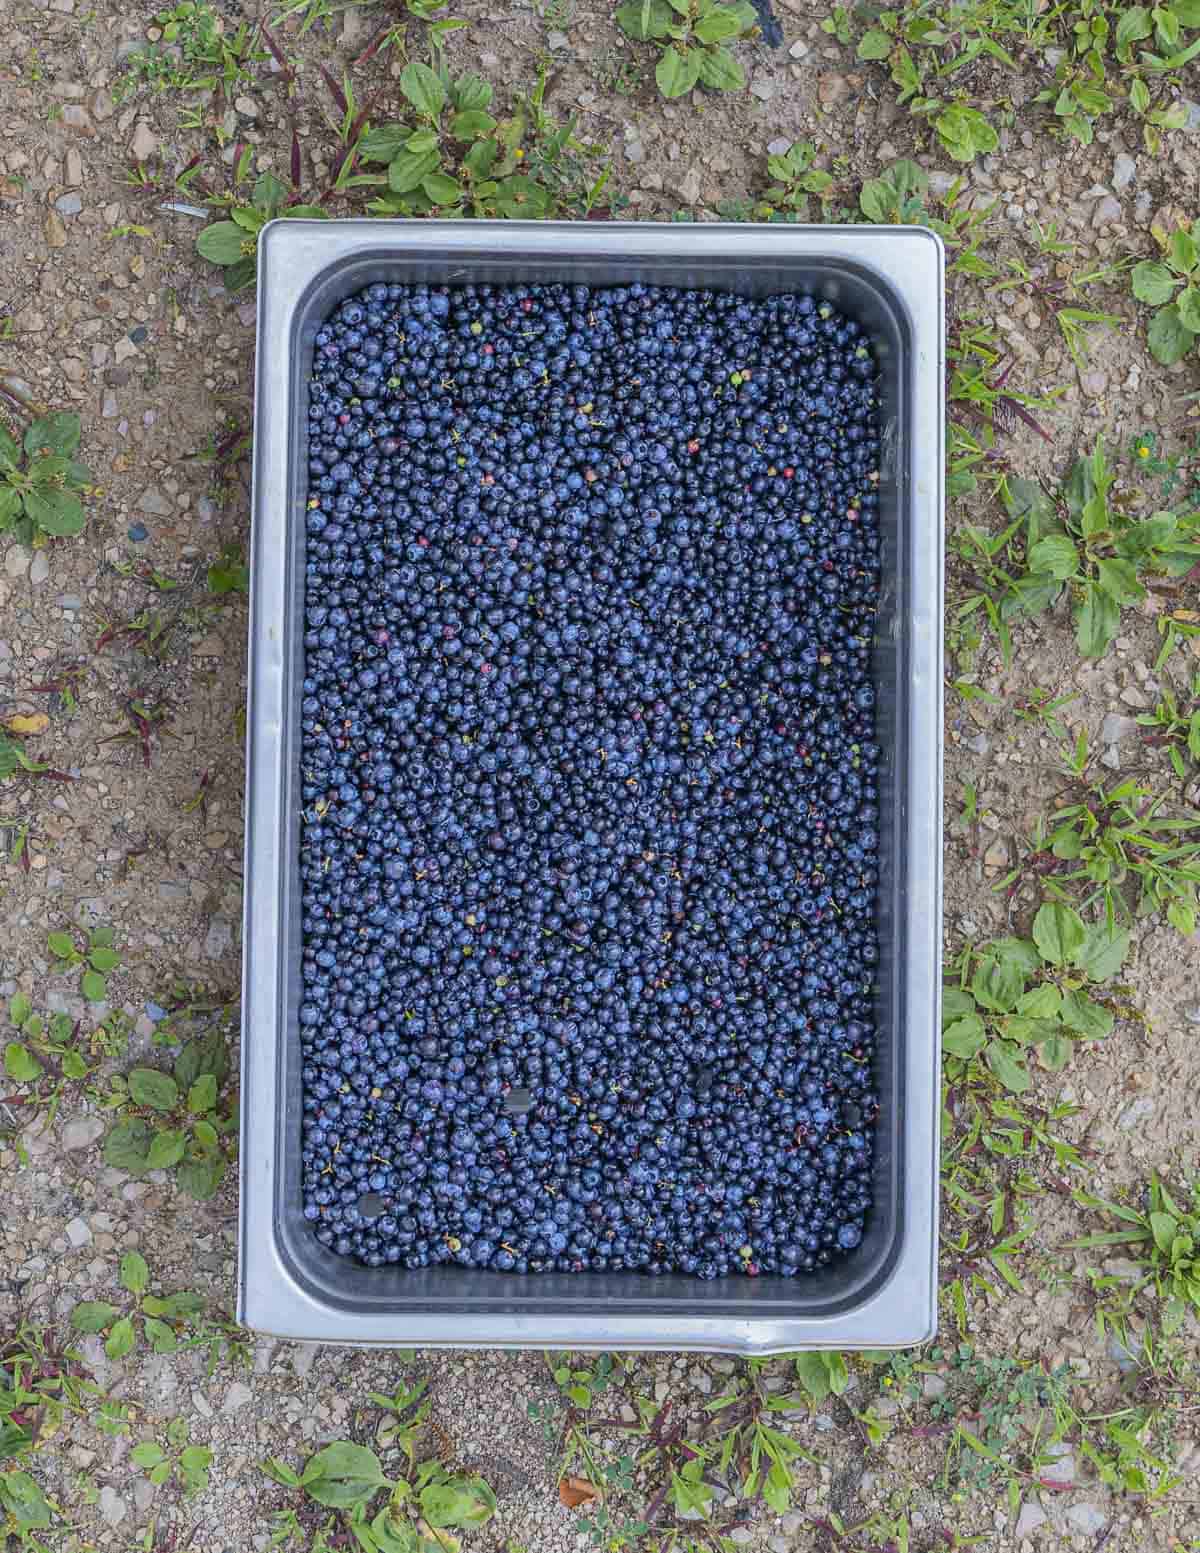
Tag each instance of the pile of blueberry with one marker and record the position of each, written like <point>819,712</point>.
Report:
<point>590,839</point>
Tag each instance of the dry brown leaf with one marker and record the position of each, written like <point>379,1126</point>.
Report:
<point>27,723</point>
<point>574,1492</point>
<point>439,1538</point>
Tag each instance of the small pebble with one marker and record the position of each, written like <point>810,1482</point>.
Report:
<point>1124,171</point>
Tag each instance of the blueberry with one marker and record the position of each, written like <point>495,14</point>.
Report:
<point>590,850</point>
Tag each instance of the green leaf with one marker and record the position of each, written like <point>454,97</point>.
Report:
<point>20,1064</point>
<point>877,200</point>
<point>1168,337</point>
<point>55,512</point>
<point>965,1038</point>
<point>1041,1002</point>
<point>1133,25</point>
<point>24,1501</point>
<point>997,986</point>
<point>93,1316</point>
<point>1142,539</point>
<point>1028,503</point>
<point>456,1502</point>
<point>159,1475</point>
<point>279,1472</point>
<point>422,140</point>
<point>93,986</point>
<point>160,1336</point>
<point>965,132</point>
<point>1119,581</point>
<point>200,1178</point>
<point>645,19</point>
<point>202,1096</point>
<point>480,159</point>
<point>1030,596</point>
<point>150,1087</point>
<point>135,1275</point>
<point>194,1462</point>
<point>441,189</point>
<point>719,24</point>
<point>393,1532</point>
<point>423,88</point>
<point>382,143</point>
<point>11,506</point>
<point>104,960</point>
<point>1087,1018</point>
<point>1153,283</point>
<point>120,1340</point>
<point>166,1149</point>
<point>1006,1068</point>
<point>678,71</point>
<point>471,93</point>
<point>406,170</point>
<point>10,450</point>
<point>813,1375</point>
<point>1164,1229</point>
<point>957,1003</point>
<point>127,1145</point>
<point>19,1008</point>
<point>721,71</point>
<point>1096,621</point>
<point>470,125</point>
<point>268,195</point>
<point>874,44</point>
<point>1055,1052</point>
<point>1055,555</point>
<point>343,1475</point>
<point>207,1053</point>
<point>1058,932</point>
<point>1182,257</point>
<point>175,1307</point>
<point>1188,304</point>
<point>223,242</point>
<point>57,433</point>
<point>146,1455</point>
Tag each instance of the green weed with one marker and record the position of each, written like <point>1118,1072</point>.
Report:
<point>1082,540</point>
<point>1172,288</point>
<point>211,58</point>
<point>1165,1235</point>
<point>229,573</point>
<point>97,957</point>
<point>1100,61</point>
<point>796,178</point>
<point>45,1058</point>
<point>1022,997</point>
<point>691,36</point>
<point>39,478</point>
<point>1123,844</point>
<point>1177,729</point>
<point>163,1321</point>
<point>233,244</point>
<point>178,1123</point>
<point>421,1508</point>
<point>188,1463</point>
<point>458,159</point>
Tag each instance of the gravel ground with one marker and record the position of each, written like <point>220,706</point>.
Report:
<point>113,315</point>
